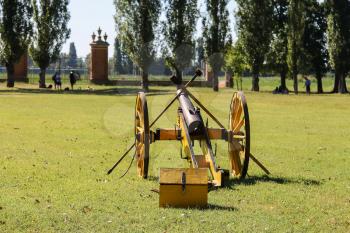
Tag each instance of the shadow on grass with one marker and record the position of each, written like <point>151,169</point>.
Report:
<point>252,180</point>
<point>107,91</point>
<point>210,207</point>
<point>219,207</point>
<point>153,178</point>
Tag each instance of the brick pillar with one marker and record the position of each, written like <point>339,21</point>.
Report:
<point>209,75</point>
<point>229,79</point>
<point>99,59</point>
<point>21,69</point>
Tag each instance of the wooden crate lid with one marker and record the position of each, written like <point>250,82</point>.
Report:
<point>197,176</point>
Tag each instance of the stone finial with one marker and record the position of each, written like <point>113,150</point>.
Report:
<point>93,37</point>
<point>99,31</point>
<point>105,37</point>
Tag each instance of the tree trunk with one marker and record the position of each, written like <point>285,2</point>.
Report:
<point>229,80</point>
<point>319,83</point>
<point>42,83</point>
<point>336,81</point>
<point>283,75</point>
<point>255,82</point>
<point>144,81</point>
<point>295,82</point>
<point>10,75</point>
<point>179,74</point>
<point>215,81</point>
<point>342,84</point>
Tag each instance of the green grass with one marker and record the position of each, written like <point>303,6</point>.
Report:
<point>56,149</point>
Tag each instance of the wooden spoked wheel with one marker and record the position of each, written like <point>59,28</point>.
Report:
<point>142,135</point>
<point>239,140</point>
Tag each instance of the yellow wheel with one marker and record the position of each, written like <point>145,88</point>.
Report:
<point>239,139</point>
<point>142,135</point>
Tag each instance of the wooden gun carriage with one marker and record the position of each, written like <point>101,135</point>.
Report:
<point>189,187</point>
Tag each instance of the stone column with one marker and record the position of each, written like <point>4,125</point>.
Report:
<point>99,59</point>
<point>229,79</point>
<point>21,69</point>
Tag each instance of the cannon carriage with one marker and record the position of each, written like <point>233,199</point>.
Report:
<point>189,186</point>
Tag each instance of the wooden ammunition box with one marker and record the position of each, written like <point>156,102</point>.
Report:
<point>183,188</point>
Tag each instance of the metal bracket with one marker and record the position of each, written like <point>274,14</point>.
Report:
<point>183,181</point>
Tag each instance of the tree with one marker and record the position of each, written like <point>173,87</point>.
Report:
<point>178,30</point>
<point>51,32</point>
<point>254,21</point>
<point>277,56</point>
<point>15,34</point>
<point>296,26</point>
<point>315,54</point>
<point>73,58</point>
<point>128,65</point>
<point>199,52</point>
<point>235,60</point>
<point>118,57</point>
<point>136,23</point>
<point>215,36</point>
<point>339,41</point>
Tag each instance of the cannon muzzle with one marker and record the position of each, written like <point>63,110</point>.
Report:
<point>190,113</point>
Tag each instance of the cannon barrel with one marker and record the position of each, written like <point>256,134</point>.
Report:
<point>190,113</point>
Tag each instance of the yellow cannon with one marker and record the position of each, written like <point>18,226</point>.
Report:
<point>189,187</point>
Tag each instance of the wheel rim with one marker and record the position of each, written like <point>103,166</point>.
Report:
<point>142,135</point>
<point>239,141</point>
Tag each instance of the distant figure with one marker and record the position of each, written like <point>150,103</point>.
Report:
<point>54,79</point>
<point>307,85</point>
<point>280,90</point>
<point>58,81</point>
<point>72,79</point>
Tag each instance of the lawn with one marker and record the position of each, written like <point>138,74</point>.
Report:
<point>57,147</point>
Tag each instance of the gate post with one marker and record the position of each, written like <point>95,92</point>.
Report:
<point>99,59</point>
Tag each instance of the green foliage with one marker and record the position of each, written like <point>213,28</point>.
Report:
<point>315,54</point>
<point>73,58</point>
<point>277,55</point>
<point>339,41</point>
<point>121,61</point>
<point>216,34</point>
<point>118,57</point>
<point>200,56</point>
<point>136,23</point>
<point>296,28</point>
<point>15,33</point>
<point>51,30</point>
<point>254,23</point>
<point>178,30</point>
<point>235,60</point>
<point>339,34</point>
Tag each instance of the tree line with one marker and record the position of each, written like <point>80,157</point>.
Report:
<point>286,37</point>
<point>40,26</point>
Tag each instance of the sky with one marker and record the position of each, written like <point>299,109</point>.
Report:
<point>88,15</point>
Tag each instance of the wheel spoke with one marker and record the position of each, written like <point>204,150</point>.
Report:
<point>239,126</point>
<point>237,115</point>
<point>139,129</point>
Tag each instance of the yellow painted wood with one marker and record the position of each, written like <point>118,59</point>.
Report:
<point>216,174</point>
<point>194,193</point>
<point>173,196</point>
<point>198,176</point>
